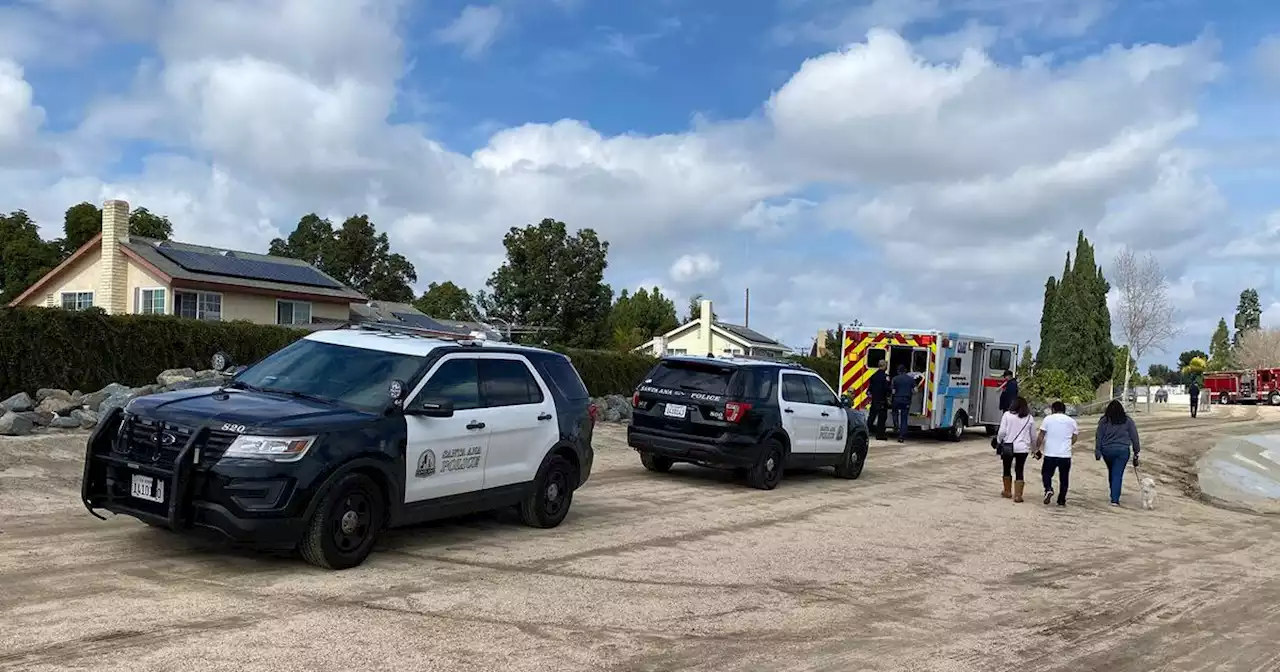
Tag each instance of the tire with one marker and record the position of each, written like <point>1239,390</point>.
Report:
<point>1274,399</point>
<point>345,525</point>
<point>656,463</point>
<point>991,430</point>
<point>855,456</point>
<point>548,503</point>
<point>767,473</point>
<point>956,431</point>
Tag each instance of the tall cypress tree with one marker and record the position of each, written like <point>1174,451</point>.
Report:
<point>1048,334</point>
<point>1075,327</point>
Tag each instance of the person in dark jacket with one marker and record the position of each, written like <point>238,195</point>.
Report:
<point>879,390</point>
<point>1117,434</point>
<point>903,386</point>
<point>1194,390</point>
<point>1008,391</point>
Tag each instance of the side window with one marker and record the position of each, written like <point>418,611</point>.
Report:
<point>458,381</point>
<point>794,389</point>
<point>919,361</point>
<point>1000,360</point>
<point>819,392</point>
<point>874,357</point>
<point>953,366</point>
<point>758,384</point>
<point>508,382</point>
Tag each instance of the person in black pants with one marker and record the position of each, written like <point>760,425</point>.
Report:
<point>1194,391</point>
<point>879,390</point>
<point>902,387</point>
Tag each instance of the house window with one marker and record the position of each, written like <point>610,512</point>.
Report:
<point>149,301</point>
<point>198,305</point>
<point>77,300</point>
<point>678,351</point>
<point>293,312</point>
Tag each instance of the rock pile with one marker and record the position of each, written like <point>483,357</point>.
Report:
<point>613,408</point>
<point>58,409</point>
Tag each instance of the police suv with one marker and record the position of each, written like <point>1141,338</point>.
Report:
<point>754,416</point>
<point>324,443</point>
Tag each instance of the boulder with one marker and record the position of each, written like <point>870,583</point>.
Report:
<point>143,391</point>
<point>38,418</point>
<point>57,406</point>
<point>113,402</point>
<point>12,424</point>
<point>65,423</point>
<point>93,400</point>
<point>48,393</point>
<point>192,383</point>
<point>18,403</point>
<point>172,376</point>
<point>87,419</point>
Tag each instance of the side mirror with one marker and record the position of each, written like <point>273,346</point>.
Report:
<point>434,409</point>
<point>396,391</point>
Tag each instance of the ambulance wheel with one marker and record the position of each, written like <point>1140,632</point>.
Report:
<point>956,431</point>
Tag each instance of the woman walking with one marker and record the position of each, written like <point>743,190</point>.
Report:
<point>1017,427</point>
<point>1058,433</point>
<point>1116,434</point>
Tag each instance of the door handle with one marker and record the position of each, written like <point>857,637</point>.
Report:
<point>475,425</point>
<point>826,414</point>
<point>544,416</point>
<point>787,410</point>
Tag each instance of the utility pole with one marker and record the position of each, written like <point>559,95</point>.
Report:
<point>746,319</point>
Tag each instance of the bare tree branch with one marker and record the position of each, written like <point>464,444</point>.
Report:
<point>1144,315</point>
<point>1259,349</point>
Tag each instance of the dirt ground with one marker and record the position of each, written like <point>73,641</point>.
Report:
<point>918,565</point>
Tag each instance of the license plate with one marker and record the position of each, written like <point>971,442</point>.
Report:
<point>148,488</point>
<point>676,410</point>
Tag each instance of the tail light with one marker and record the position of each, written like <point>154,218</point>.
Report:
<point>735,411</point>
<point>635,400</point>
<point>593,411</point>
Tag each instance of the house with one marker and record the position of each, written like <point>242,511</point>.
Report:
<point>125,274</point>
<point>707,336</point>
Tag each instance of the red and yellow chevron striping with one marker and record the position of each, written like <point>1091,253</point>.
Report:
<point>855,375</point>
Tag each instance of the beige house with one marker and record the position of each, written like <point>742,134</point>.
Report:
<point>705,336</point>
<point>132,275</point>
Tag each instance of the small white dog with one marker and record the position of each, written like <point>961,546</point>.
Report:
<point>1148,486</point>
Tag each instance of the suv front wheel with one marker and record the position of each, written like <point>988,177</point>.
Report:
<point>343,528</point>
<point>855,456</point>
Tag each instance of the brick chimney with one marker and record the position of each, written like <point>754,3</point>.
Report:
<point>704,327</point>
<point>113,280</point>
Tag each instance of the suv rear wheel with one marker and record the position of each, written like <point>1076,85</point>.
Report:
<point>656,463</point>
<point>548,503</point>
<point>343,529</point>
<point>767,473</point>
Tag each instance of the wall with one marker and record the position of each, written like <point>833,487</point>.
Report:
<point>262,309</point>
<point>138,277</point>
<point>81,276</point>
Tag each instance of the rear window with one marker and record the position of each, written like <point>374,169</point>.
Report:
<point>561,374</point>
<point>692,377</point>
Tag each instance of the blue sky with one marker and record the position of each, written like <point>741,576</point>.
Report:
<point>915,163</point>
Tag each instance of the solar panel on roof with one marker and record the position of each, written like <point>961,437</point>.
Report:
<point>250,269</point>
<point>423,322</point>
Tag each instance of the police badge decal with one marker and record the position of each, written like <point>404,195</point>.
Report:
<point>426,464</point>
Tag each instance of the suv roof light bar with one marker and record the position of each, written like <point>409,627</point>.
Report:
<point>417,332</point>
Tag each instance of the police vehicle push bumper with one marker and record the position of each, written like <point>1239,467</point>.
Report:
<point>730,450</point>
<point>175,477</point>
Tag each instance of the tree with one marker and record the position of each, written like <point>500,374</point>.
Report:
<point>80,224</point>
<point>1248,315</point>
<point>553,280</point>
<point>695,309</point>
<point>1048,327</point>
<point>1123,369</point>
<point>144,223</point>
<point>1185,358</point>
<point>1144,314</point>
<point>1163,375</point>
<point>638,317</point>
<point>1027,365</point>
<point>24,256</point>
<point>1258,349</point>
<point>1075,322</point>
<point>447,301</point>
<point>1220,347</point>
<point>355,254</point>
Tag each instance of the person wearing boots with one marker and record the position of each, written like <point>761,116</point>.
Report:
<point>879,390</point>
<point>1017,428</point>
<point>1058,433</point>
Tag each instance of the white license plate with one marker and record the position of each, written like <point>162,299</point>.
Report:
<point>676,410</point>
<point>145,487</point>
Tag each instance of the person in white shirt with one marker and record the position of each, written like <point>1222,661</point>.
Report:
<point>1017,429</point>
<point>1058,433</point>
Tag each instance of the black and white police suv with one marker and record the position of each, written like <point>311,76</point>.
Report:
<point>755,416</point>
<point>324,443</point>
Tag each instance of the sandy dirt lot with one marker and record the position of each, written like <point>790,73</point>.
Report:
<point>918,565</point>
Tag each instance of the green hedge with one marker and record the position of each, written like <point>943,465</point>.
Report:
<point>88,350</point>
<point>828,368</point>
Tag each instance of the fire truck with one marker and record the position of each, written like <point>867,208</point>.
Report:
<point>1250,386</point>
<point>961,375</point>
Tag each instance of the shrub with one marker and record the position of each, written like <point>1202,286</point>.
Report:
<point>1049,384</point>
<point>827,367</point>
<point>608,371</point>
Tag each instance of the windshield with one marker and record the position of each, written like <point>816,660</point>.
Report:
<point>350,376</point>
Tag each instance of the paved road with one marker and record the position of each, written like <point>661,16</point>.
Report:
<point>918,565</point>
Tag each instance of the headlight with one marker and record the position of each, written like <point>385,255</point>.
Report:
<point>276,449</point>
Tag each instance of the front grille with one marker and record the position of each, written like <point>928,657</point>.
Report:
<point>213,446</point>
<point>158,443</point>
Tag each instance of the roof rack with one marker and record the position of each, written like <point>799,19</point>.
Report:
<point>418,332</point>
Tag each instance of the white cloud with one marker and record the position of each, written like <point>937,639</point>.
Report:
<point>474,29</point>
<point>19,116</point>
<point>694,267</point>
<point>1266,57</point>
<point>916,184</point>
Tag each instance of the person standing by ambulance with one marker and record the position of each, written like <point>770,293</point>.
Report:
<point>879,389</point>
<point>1008,391</point>
<point>903,387</point>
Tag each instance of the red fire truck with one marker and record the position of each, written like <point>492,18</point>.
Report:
<point>1251,386</point>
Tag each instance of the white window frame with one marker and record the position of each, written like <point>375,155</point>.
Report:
<point>199,294</point>
<point>295,322</point>
<point>62,300</point>
<point>139,300</point>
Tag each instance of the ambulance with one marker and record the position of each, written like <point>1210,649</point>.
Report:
<point>961,375</point>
